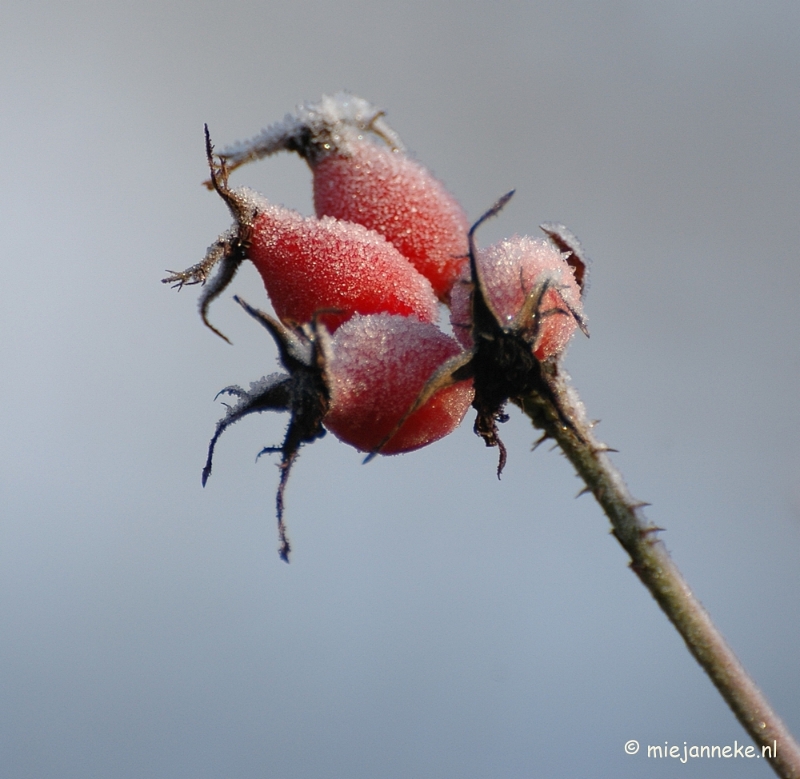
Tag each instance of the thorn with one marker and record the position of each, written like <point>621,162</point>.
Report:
<point>584,491</point>
<point>539,441</point>
<point>603,448</point>
<point>654,529</point>
<point>640,504</point>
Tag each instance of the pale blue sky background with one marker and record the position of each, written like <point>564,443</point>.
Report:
<point>434,621</point>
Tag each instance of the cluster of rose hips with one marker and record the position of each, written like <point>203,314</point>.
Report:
<point>357,289</point>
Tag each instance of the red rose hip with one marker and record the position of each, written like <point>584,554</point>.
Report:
<point>375,184</point>
<point>309,266</point>
<point>508,311</point>
<point>399,198</point>
<point>360,385</point>
<point>509,271</point>
<point>376,370</point>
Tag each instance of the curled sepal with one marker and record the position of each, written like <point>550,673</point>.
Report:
<point>270,393</point>
<point>228,251</point>
<point>570,246</point>
<point>315,131</point>
<point>303,392</point>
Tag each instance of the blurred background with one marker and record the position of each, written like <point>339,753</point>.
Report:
<point>434,622</point>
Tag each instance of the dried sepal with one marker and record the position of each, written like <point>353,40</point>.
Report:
<point>303,392</point>
<point>270,393</point>
<point>358,383</point>
<point>566,242</point>
<point>228,251</point>
<point>315,131</point>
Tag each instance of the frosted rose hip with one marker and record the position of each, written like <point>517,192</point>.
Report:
<point>376,370</point>
<point>360,384</point>
<point>399,198</point>
<point>506,310</point>
<point>509,271</point>
<point>309,265</point>
<point>373,184</point>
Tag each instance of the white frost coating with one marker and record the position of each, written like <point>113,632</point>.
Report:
<point>379,365</point>
<point>368,350</point>
<point>509,271</point>
<point>310,264</point>
<point>326,123</point>
<point>403,201</point>
<point>306,227</point>
<point>385,354</point>
<point>249,201</point>
<point>567,240</point>
<point>344,109</point>
<point>257,388</point>
<point>224,239</point>
<point>266,382</point>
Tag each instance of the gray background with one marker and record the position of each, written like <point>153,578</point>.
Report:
<point>434,621</point>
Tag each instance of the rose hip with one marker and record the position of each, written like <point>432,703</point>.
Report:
<point>359,384</point>
<point>509,271</point>
<point>373,184</point>
<point>309,265</point>
<point>396,196</point>
<point>378,366</point>
<point>507,310</point>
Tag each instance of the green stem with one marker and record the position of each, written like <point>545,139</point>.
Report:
<point>651,562</point>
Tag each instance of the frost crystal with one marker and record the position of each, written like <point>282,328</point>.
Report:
<point>316,129</point>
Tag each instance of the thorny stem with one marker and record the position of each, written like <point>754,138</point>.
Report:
<point>652,563</point>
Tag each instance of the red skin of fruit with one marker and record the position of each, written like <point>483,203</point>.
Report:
<point>312,265</point>
<point>397,197</point>
<point>377,368</point>
<point>509,270</point>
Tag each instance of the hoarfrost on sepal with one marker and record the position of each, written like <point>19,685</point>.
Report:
<point>567,242</point>
<point>316,129</point>
<point>270,393</point>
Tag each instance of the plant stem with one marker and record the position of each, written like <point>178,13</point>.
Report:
<point>652,563</point>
